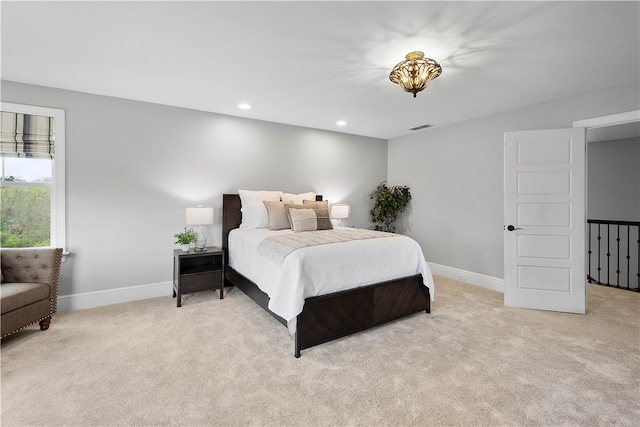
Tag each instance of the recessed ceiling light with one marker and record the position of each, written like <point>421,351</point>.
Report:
<point>341,123</point>
<point>244,106</point>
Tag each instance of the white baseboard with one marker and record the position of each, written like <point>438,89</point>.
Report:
<point>133,293</point>
<point>113,296</point>
<point>481,280</point>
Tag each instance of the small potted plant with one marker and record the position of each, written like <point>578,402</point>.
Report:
<point>185,238</point>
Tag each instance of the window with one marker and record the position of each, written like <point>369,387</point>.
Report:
<point>32,187</point>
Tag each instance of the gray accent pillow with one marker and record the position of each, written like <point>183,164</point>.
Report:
<point>303,220</point>
<point>322,219</point>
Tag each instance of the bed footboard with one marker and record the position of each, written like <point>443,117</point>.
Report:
<point>336,315</point>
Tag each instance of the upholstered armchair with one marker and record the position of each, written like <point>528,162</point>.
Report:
<point>29,289</point>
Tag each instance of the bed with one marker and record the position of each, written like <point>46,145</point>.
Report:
<point>333,315</point>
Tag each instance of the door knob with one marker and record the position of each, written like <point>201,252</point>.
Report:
<point>511,228</point>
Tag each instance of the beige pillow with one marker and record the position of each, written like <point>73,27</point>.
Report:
<point>316,204</point>
<point>278,219</point>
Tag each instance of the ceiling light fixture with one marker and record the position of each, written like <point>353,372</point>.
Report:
<point>341,123</point>
<point>415,73</point>
<point>244,106</point>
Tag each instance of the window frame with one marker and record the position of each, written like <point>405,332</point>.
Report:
<point>58,173</point>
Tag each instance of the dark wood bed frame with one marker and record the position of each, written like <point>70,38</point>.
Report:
<point>328,317</point>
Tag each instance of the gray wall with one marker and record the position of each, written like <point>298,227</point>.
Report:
<point>132,167</point>
<point>613,180</point>
<point>456,176</point>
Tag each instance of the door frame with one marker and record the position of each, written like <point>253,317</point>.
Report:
<point>610,120</point>
<point>600,122</point>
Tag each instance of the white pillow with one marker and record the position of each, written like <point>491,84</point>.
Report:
<point>254,213</point>
<point>298,198</point>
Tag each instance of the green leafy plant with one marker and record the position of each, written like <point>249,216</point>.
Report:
<point>388,203</point>
<point>25,216</point>
<point>185,237</point>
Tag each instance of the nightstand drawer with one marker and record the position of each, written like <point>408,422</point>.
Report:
<point>200,281</point>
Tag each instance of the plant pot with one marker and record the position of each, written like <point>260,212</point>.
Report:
<point>185,248</point>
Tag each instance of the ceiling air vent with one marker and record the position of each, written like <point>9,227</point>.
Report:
<point>421,127</point>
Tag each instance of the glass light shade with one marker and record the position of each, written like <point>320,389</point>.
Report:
<point>415,73</point>
<point>340,211</point>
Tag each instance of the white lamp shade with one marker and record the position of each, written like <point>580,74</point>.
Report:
<point>340,211</point>
<point>201,215</point>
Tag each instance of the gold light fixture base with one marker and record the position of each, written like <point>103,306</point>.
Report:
<point>415,72</point>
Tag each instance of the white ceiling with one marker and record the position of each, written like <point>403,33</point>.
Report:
<point>314,63</point>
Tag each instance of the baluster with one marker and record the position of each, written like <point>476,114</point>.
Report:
<point>599,252</point>
<point>589,252</point>
<point>618,259</point>
<point>608,254</point>
<point>628,256</point>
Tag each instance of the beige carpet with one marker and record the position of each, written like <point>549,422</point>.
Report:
<point>226,362</point>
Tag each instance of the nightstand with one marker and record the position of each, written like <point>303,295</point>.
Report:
<point>197,271</point>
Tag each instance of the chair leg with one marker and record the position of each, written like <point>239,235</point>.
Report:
<point>44,323</point>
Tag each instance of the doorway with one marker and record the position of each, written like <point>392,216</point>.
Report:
<point>613,199</point>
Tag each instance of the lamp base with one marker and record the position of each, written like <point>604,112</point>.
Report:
<point>201,241</point>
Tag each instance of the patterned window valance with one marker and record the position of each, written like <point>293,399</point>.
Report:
<point>27,135</point>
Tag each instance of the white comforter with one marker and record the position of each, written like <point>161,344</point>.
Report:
<point>323,269</point>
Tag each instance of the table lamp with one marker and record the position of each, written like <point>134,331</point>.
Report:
<point>340,211</point>
<point>200,215</point>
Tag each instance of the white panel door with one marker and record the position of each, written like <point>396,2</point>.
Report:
<point>545,220</point>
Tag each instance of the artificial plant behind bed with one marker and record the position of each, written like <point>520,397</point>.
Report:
<point>388,203</point>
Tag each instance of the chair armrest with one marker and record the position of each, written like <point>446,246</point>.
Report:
<point>33,265</point>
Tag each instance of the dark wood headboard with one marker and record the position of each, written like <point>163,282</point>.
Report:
<point>232,217</point>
